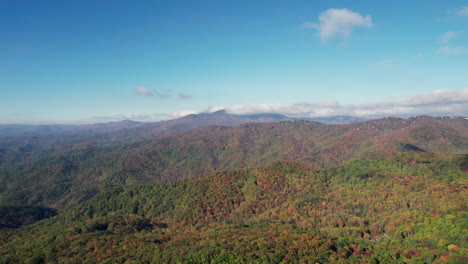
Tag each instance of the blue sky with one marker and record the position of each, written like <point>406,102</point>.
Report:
<point>82,61</point>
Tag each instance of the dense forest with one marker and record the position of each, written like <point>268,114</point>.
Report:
<point>66,171</point>
<point>382,191</point>
<point>410,208</point>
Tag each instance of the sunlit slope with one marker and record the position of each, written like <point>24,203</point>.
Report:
<point>64,178</point>
<point>410,207</point>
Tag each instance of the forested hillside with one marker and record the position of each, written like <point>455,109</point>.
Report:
<point>67,172</point>
<point>406,208</point>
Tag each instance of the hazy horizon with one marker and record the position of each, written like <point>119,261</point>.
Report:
<point>317,118</point>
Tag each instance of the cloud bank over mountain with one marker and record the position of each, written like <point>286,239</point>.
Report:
<point>438,102</point>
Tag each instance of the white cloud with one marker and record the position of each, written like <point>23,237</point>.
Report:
<point>439,102</point>
<point>338,22</point>
<point>434,98</point>
<point>298,109</point>
<point>184,96</point>
<point>448,36</point>
<point>452,51</point>
<point>140,90</point>
<point>463,11</point>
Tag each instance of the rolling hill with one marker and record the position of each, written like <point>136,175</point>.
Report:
<point>21,142</point>
<point>71,172</point>
<point>409,208</point>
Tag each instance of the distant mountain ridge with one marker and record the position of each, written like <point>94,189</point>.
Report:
<point>352,193</point>
<point>11,130</point>
<point>66,172</point>
<point>185,123</point>
<point>192,121</point>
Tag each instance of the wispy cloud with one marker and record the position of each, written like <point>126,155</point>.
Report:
<point>184,96</point>
<point>135,117</point>
<point>338,22</point>
<point>446,37</point>
<point>452,51</point>
<point>166,94</point>
<point>439,102</point>
<point>140,90</point>
<point>387,64</point>
<point>123,117</point>
<point>415,73</point>
<point>463,11</point>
